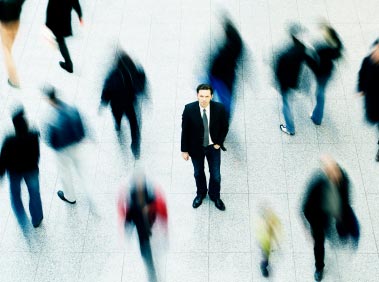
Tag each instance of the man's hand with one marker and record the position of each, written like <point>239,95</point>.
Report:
<point>216,146</point>
<point>185,156</point>
<point>361,94</point>
<point>81,22</point>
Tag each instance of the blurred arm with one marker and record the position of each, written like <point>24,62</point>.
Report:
<point>77,9</point>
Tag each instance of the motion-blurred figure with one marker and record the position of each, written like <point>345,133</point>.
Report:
<point>20,157</point>
<point>368,86</point>
<point>10,11</point>
<point>268,234</point>
<point>287,69</point>
<point>58,20</point>
<point>142,206</point>
<point>222,70</point>
<point>64,134</point>
<point>327,51</point>
<point>123,85</point>
<point>327,201</point>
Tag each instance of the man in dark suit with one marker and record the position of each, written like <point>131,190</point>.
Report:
<point>204,128</point>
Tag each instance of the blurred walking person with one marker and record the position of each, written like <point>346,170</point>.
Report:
<point>268,235</point>
<point>10,11</point>
<point>327,202</point>
<point>20,157</point>
<point>58,20</point>
<point>368,86</point>
<point>124,84</point>
<point>141,207</point>
<point>287,70</point>
<point>327,51</point>
<point>222,70</point>
<point>64,134</point>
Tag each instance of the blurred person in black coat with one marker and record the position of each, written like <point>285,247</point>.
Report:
<point>287,70</point>
<point>124,83</point>
<point>10,11</point>
<point>20,157</point>
<point>368,86</point>
<point>58,20</point>
<point>222,70</point>
<point>204,129</point>
<point>327,201</point>
<point>327,51</point>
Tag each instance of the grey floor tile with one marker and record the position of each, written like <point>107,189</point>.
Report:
<point>265,168</point>
<point>229,229</point>
<point>358,267</point>
<point>101,267</point>
<point>53,267</point>
<point>228,266</point>
<point>187,267</point>
<point>18,266</point>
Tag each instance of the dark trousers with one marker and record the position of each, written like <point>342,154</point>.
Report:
<point>214,162</point>
<point>148,259</point>
<point>35,205</point>
<point>318,234</point>
<point>64,50</point>
<point>130,114</point>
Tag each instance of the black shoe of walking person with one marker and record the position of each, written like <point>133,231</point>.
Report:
<point>66,67</point>
<point>377,156</point>
<point>62,197</point>
<point>319,275</point>
<point>38,223</point>
<point>264,269</point>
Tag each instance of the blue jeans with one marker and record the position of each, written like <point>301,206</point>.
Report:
<point>35,205</point>
<point>214,162</point>
<point>287,112</point>
<point>318,111</point>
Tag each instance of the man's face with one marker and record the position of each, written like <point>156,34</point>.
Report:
<point>204,97</point>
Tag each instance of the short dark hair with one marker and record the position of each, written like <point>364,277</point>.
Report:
<point>376,42</point>
<point>204,86</point>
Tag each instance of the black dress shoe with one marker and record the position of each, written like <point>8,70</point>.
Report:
<point>61,195</point>
<point>219,204</point>
<point>197,201</point>
<point>66,67</point>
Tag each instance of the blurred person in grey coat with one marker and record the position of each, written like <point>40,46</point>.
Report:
<point>65,133</point>
<point>19,157</point>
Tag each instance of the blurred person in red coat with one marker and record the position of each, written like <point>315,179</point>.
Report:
<point>142,206</point>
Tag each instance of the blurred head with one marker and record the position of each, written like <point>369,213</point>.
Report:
<point>331,168</point>
<point>330,35</point>
<point>50,94</point>
<point>375,51</point>
<point>295,30</point>
<point>204,94</point>
<point>19,122</point>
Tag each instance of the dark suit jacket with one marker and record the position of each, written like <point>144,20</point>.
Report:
<point>193,129</point>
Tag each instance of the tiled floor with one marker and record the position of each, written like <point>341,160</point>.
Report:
<point>172,39</point>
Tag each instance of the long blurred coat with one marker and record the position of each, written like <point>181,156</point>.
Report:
<point>368,82</point>
<point>58,16</point>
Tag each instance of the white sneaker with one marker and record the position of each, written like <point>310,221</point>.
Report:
<point>285,130</point>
